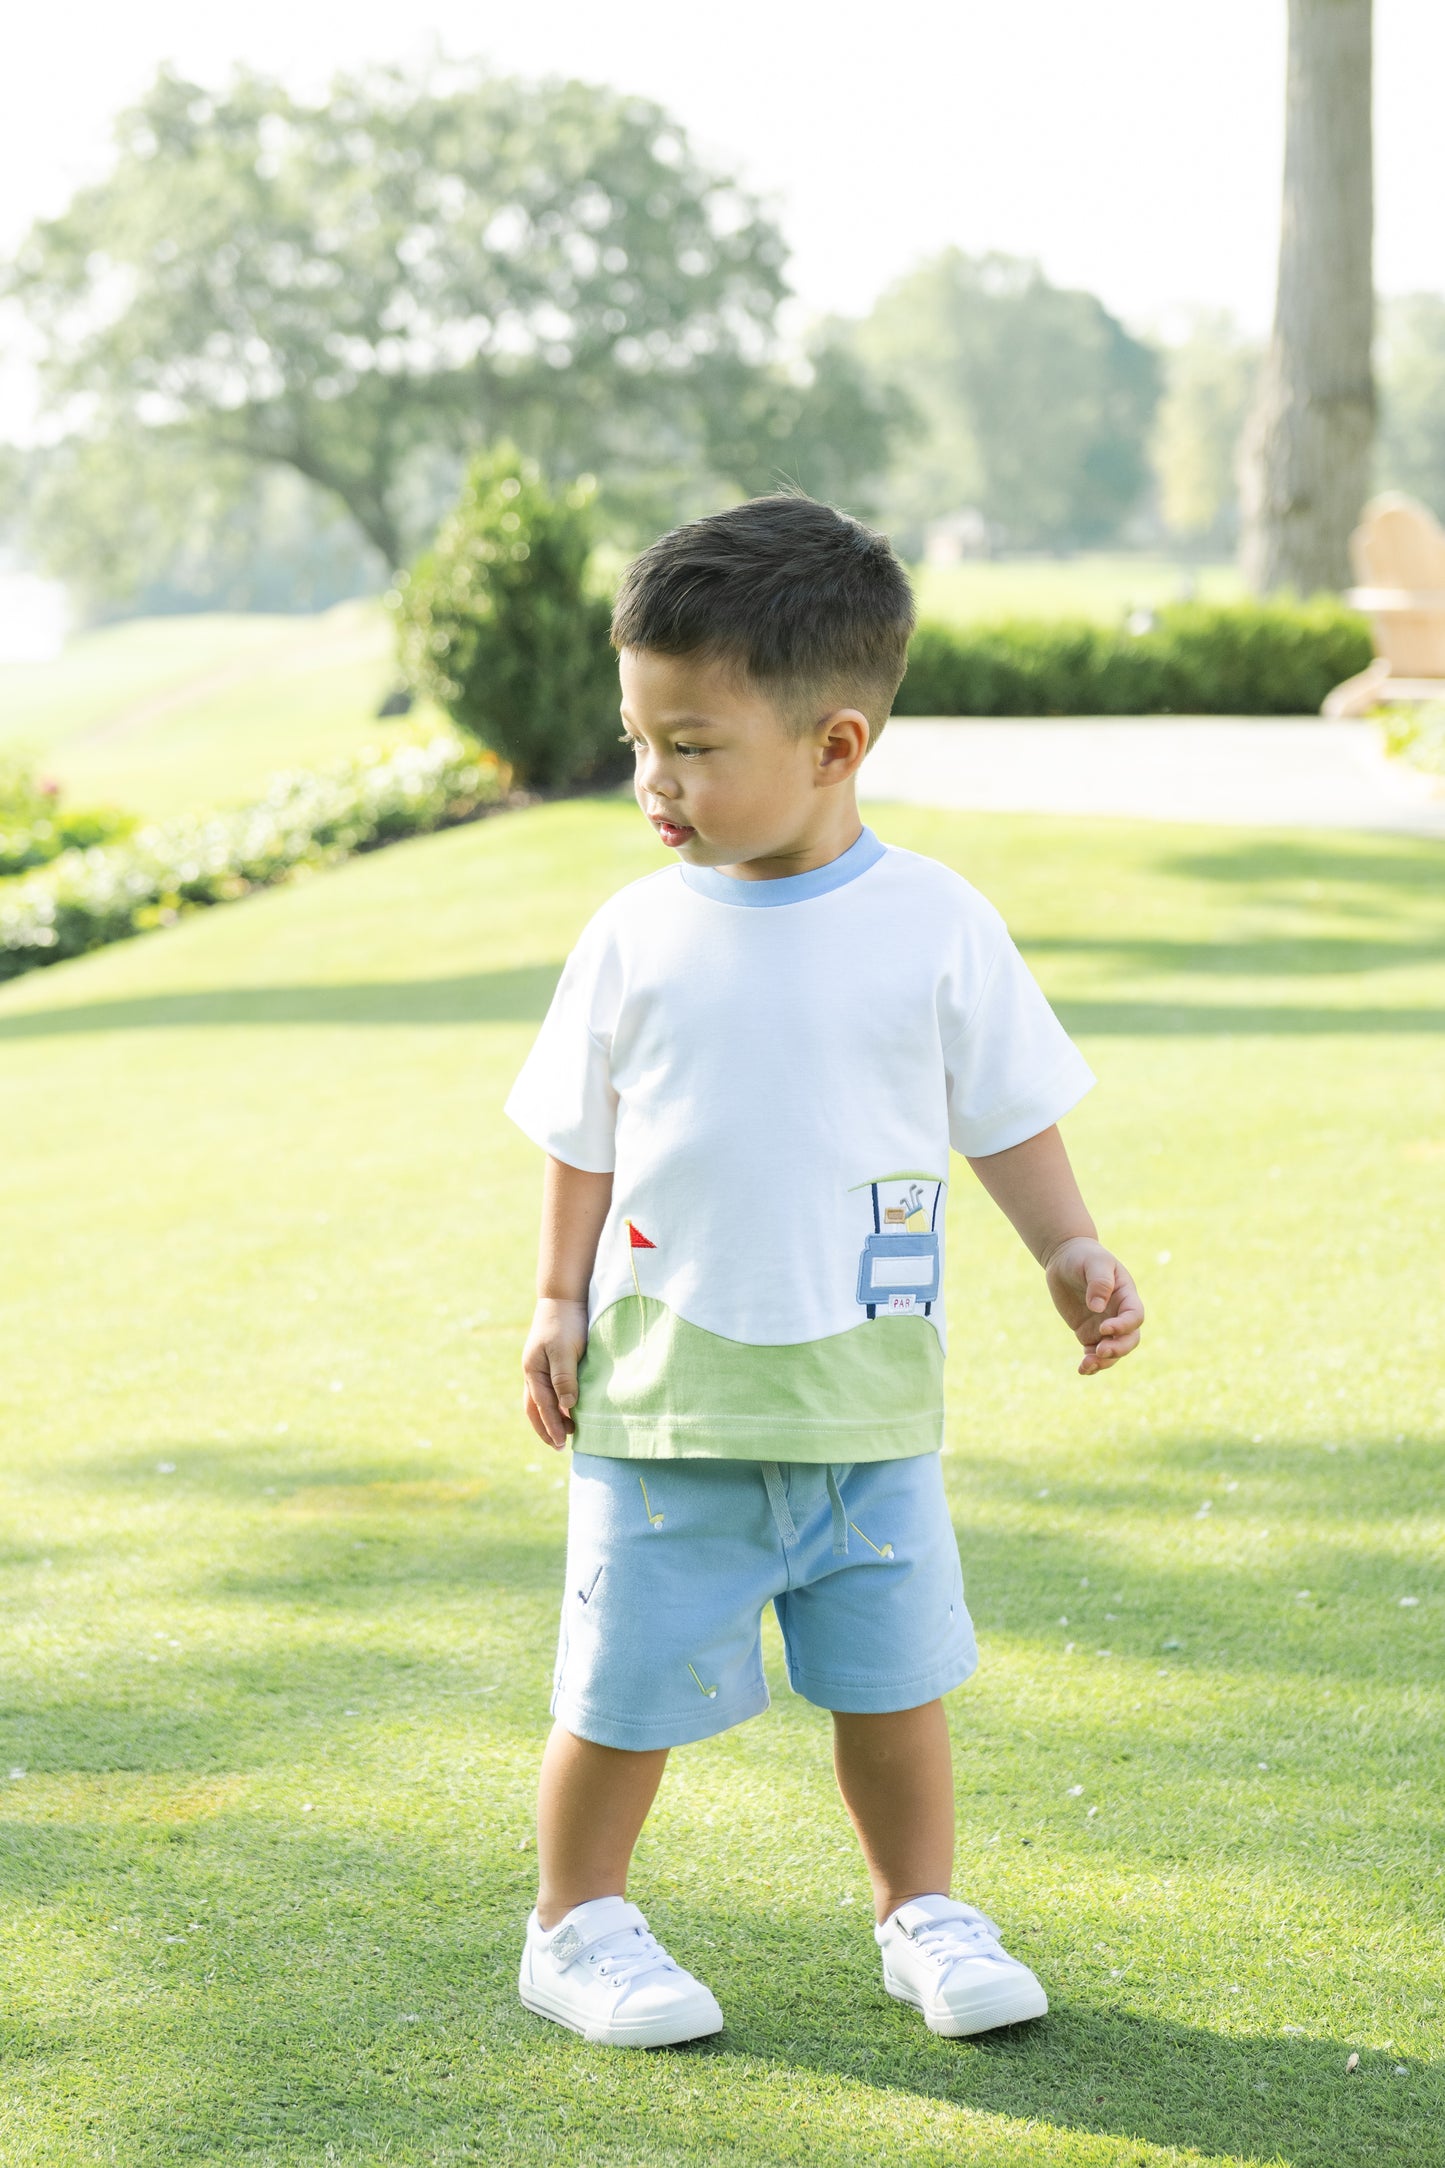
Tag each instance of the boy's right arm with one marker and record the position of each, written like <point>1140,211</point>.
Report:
<point>574,1205</point>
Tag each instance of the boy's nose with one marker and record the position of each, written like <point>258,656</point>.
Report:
<point>654,782</point>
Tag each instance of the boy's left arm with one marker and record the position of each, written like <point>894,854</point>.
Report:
<point>1033,1186</point>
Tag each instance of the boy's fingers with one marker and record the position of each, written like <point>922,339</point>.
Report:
<point>539,1386</point>
<point>530,1410</point>
<point>1128,1311</point>
<point>1112,1333</point>
<point>1103,1354</point>
<point>1100,1286</point>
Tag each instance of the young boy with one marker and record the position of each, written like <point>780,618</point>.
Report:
<point>747,1086</point>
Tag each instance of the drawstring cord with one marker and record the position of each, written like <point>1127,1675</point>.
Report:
<point>840,1517</point>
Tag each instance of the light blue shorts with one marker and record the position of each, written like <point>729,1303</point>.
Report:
<point>671,1563</point>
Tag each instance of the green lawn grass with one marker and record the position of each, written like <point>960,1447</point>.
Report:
<point>281,1562</point>
<point>1095,584</point>
<point>163,715</point>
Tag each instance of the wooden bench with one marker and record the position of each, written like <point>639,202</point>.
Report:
<point>1398,553</point>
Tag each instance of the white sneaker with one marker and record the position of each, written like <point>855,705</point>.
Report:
<point>946,1959</point>
<point>601,1971</point>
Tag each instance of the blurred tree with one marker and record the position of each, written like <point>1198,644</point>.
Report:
<point>345,288</point>
<point>20,481</point>
<point>1305,460</point>
<point>828,428</point>
<point>1030,401</point>
<point>1209,379</point>
<point>1412,396</point>
<point>161,524</point>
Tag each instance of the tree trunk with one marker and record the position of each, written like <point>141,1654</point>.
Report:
<point>1305,457</point>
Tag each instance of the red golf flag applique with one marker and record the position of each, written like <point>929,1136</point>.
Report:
<point>639,1239</point>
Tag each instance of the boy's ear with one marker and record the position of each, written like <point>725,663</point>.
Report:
<point>842,740</point>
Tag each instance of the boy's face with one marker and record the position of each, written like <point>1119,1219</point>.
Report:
<point>719,774</point>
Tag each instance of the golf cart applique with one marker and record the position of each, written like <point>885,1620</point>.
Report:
<point>900,1267</point>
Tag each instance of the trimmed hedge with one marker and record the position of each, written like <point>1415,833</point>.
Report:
<point>307,820</point>
<point>1249,658</point>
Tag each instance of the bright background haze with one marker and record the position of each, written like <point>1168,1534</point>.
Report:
<point>1132,148</point>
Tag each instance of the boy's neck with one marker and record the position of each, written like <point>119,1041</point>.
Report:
<point>823,841</point>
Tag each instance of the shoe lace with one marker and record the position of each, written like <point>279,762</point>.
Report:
<point>627,1955</point>
<point>959,1935</point>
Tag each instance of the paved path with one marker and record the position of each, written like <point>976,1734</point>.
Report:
<point>1292,773</point>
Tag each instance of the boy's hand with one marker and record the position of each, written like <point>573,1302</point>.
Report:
<point>1095,1296</point>
<point>550,1357</point>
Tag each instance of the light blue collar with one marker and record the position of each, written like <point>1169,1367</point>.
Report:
<point>792,887</point>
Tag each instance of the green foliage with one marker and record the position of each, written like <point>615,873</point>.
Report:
<point>496,623</point>
<point>1412,398</point>
<point>1031,402</point>
<point>1418,734</point>
<point>156,523</point>
<point>831,430</point>
<point>407,268</point>
<point>36,827</point>
<point>1209,380</point>
<point>88,897</point>
<point>1194,658</point>
<point>17,472</point>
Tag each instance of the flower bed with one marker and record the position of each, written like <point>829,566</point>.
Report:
<point>308,819</point>
<point>35,828</point>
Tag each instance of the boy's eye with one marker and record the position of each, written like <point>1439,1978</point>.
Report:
<point>638,745</point>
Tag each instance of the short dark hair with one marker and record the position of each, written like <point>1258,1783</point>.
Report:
<point>806,603</point>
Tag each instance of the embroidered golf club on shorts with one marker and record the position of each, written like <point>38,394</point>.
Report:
<point>670,1564</point>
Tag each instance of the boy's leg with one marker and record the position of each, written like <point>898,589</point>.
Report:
<point>591,1804</point>
<point>872,1625</point>
<point>896,1776</point>
<point>590,1960</point>
<point>667,1573</point>
<point>895,1772</point>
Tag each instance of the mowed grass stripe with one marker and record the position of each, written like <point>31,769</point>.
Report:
<point>280,1561</point>
<point>165,715</point>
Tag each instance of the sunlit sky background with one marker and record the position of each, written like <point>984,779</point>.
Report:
<point>1131,146</point>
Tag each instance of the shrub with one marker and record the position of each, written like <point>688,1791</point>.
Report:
<point>496,623</point>
<point>1251,658</point>
<point>1417,734</point>
<point>307,819</point>
<point>35,827</point>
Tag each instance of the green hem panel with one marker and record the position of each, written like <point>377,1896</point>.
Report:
<point>652,1386</point>
<point>635,1441</point>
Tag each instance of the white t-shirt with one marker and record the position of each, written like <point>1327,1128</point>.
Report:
<point>773,1072</point>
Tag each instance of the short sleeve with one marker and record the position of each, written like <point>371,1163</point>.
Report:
<point>1012,1068</point>
<point>563,1097</point>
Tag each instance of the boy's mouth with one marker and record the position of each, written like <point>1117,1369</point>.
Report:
<point>672,832</point>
